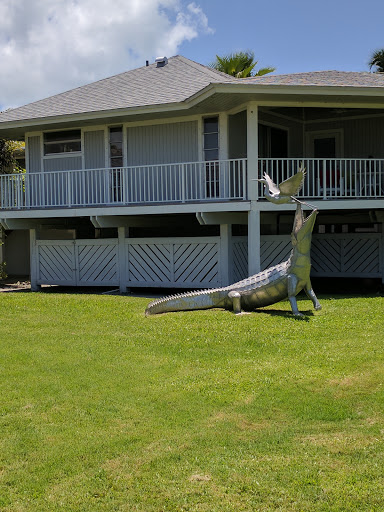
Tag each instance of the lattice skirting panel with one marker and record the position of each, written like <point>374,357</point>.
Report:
<point>239,258</point>
<point>347,255</point>
<point>274,250</point>
<point>56,262</point>
<point>184,263</point>
<point>97,264</point>
<point>338,255</point>
<point>178,262</point>
<point>77,262</point>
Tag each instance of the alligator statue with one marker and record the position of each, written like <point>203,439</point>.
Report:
<point>281,282</point>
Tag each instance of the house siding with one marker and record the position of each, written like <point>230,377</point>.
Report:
<point>94,149</point>
<point>237,140</point>
<point>362,137</point>
<point>63,163</point>
<point>34,154</point>
<point>163,143</point>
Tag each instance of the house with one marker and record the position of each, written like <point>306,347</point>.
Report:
<point>147,178</point>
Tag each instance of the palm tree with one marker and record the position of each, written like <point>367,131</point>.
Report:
<point>240,65</point>
<point>377,60</point>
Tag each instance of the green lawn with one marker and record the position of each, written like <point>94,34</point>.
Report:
<point>102,409</point>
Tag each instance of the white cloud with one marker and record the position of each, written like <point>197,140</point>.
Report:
<point>49,46</point>
<point>187,26</point>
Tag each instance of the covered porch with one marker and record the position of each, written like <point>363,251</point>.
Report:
<point>341,149</point>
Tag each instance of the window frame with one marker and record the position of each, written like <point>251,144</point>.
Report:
<point>217,133</point>
<point>64,141</point>
<point>111,143</point>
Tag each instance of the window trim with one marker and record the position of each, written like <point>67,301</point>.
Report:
<point>63,154</point>
<point>336,133</point>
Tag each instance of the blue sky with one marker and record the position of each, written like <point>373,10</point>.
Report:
<point>293,35</point>
<point>51,47</point>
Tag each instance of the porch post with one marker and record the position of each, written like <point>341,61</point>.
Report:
<point>253,173</point>
<point>254,265</point>
<point>123,232</point>
<point>252,150</point>
<point>34,260</point>
<point>226,254</point>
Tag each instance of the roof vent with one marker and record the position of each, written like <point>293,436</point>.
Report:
<point>161,62</point>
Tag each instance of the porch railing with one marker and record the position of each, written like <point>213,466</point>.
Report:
<point>224,180</point>
<point>330,178</point>
<point>149,184</point>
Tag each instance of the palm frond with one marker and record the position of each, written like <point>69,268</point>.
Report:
<point>240,65</point>
<point>377,61</point>
<point>245,73</point>
<point>264,71</point>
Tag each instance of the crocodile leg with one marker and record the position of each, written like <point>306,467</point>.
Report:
<point>236,301</point>
<point>292,284</point>
<point>311,295</point>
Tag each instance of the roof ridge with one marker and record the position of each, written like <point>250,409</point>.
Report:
<point>213,71</point>
<point>313,72</point>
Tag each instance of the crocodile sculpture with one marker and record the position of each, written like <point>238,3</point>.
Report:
<point>281,282</point>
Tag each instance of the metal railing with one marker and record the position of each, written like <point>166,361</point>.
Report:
<point>330,178</point>
<point>223,180</point>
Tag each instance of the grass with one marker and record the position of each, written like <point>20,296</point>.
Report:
<point>102,409</point>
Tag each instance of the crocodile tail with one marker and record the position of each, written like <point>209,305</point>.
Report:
<point>204,299</point>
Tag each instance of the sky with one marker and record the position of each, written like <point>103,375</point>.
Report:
<point>50,46</point>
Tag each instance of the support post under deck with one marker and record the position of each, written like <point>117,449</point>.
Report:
<point>123,277</point>
<point>226,254</point>
<point>34,260</point>
<point>254,263</point>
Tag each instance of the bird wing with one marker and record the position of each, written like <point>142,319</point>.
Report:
<point>273,190</point>
<point>292,185</point>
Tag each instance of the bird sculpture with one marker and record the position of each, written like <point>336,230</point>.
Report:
<point>285,192</point>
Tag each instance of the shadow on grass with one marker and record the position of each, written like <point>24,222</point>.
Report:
<point>286,314</point>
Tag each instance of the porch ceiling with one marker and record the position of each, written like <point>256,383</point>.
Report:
<point>228,101</point>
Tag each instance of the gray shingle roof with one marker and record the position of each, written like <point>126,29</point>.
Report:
<point>148,85</point>
<point>180,79</point>
<point>322,78</point>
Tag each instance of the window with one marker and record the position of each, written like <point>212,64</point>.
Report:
<point>116,161</point>
<point>67,141</point>
<point>211,138</point>
<point>211,153</point>
<point>116,146</point>
<point>273,142</point>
